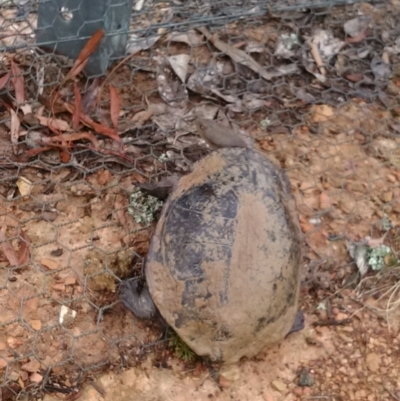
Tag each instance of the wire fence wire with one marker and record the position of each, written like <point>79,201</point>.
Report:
<point>314,82</point>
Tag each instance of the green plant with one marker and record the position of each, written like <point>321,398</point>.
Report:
<point>180,348</point>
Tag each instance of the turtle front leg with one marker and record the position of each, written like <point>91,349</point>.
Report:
<point>136,297</point>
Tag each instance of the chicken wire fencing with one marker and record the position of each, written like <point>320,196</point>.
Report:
<point>315,83</point>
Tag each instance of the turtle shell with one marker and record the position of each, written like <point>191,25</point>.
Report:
<point>223,266</point>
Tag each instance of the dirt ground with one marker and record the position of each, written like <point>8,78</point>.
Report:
<point>67,237</point>
<point>348,350</point>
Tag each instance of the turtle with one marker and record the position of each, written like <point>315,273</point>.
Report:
<point>223,264</point>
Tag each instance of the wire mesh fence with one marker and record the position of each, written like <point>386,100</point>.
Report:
<point>316,85</point>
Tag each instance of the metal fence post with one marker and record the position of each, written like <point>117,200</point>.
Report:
<point>65,25</point>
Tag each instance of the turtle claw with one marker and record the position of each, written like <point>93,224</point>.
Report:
<point>298,323</point>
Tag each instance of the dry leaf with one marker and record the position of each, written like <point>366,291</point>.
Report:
<point>3,363</point>
<point>104,177</point>
<point>8,249</point>
<point>76,136</point>
<point>24,186</point>
<point>4,80</point>
<point>136,44</point>
<point>191,38</point>
<point>36,377</point>
<point>114,106</point>
<point>31,153</point>
<point>324,201</point>
<point>54,124</point>
<point>49,263</point>
<point>322,113</point>
<point>142,116</point>
<point>171,90</point>
<point>59,287</point>
<point>65,156</point>
<point>355,77</point>
<point>90,97</point>
<point>83,57</point>
<point>78,107</point>
<point>70,281</point>
<point>356,26</point>
<point>14,131</point>
<point>26,109</point>
<point>120,213</point>
<point>13,342</point>
<point>24,252</point>
<point>18,82</point>
<point>223,382</point>
<point>241,57</point>
<point>179,64</point>
<point>99,128</point>
<point>36,324</point>
<point>32,366</point>
<point>357,39</point>
<point>359,252</point>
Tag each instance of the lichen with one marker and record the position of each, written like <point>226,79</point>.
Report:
<point>143,208</point>
<point>377,256</point>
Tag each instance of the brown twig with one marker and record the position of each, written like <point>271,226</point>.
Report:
<point>332,322</point>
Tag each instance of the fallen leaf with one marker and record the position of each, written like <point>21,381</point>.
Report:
<point>59,287</point>
<point>179,64</point>
<point>13,343</point>
<point>55,124</point>
<point>359,252</point>
<point>120,214</point>
<point>32,153</point>
<point>36,324</point>
<point>3,363</point>
<point>36,378</point>
<point>78,107</point>
<point>76,136</point>
<point>65,156</point>
<point>322,113</point>
<point>83,57</point>
<point>357,39</point>
<point>356,26</point>
<point>191,38</point>
<point>380,69</point>
<point>223,382</point>
<point>8,249</point>
<point>49,263</point>
<point>14,130</point>
<point>356,77</point>
<point>142,116</point>
<point>114,106</point>
<point>90,97</point>
<point>26,109</point>
<point>18,82</point>
<point>24,252</point>
<point>236,55</point>
<point>324,201</point>
<point>4,80</point>
<point>24,186</point>
<point>136,44</point>
<point>70,281</point>
<point>170,88</point>
<point>104,177</point>
<point>99,128</point>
